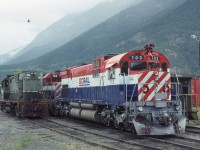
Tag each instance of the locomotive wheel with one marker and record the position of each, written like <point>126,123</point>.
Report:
<point>110,123</point>
<point>133,129</point>
<point>55,112</point>
<point>106,117</point>
<point>3,107</point>
<point>65,110</point>
<point>17,113</point>
<point>121,127</point>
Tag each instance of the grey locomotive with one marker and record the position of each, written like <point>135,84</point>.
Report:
<point>22,94</point>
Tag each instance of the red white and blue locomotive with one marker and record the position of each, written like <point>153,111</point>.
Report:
<point>130,91</point>
<point>51,85</point>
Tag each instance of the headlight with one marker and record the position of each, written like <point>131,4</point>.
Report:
<point>140,109</point>
<point>170,118</point>
<point>178,107</point>
<point>165,114</point>
<point>145,89</point>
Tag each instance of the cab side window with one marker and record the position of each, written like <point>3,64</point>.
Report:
<point>164,66</point>
<point>111,72</point>
<point>124,68</point>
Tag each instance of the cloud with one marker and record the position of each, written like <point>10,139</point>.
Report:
<point>16,31</point>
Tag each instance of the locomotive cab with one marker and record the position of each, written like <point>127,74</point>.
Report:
<point>51,85</point>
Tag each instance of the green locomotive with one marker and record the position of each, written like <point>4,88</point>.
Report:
<point>22,94</point>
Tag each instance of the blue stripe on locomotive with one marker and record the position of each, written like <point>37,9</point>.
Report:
<point>112,94</point>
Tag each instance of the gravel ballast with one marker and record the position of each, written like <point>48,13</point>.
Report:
<point>19,134</point>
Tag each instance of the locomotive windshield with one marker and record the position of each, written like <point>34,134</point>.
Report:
<point>153,65</point>
<point>143,66</point>
<point>56,79</point>
<point>138,66</point>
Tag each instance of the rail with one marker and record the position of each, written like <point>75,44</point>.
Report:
<point>117,140</point>
<point>81,133</point>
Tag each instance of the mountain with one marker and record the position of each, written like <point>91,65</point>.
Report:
<point>172,36</point>
<point>10,55</point>
<point>167,24</point>
<point>70,27</point>
<point>108,37</point>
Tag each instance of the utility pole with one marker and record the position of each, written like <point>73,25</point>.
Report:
<point>198,40</point>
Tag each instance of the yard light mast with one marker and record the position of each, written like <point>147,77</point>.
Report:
<point>198,40</point>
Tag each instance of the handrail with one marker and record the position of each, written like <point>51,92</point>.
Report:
<point>132,97</point>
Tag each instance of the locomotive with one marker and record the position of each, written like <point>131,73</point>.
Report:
<point>51,85</point>
<point>130,91</point>
<point>22,94</point>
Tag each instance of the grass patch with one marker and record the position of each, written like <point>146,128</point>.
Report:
<point>22,144</point>
<point>74,144</point>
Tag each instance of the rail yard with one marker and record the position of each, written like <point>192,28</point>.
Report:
<point>119,101</point>
<point>21,134</point>
<point>56,133</point>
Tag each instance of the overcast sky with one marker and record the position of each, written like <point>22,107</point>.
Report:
<point>15,31</point>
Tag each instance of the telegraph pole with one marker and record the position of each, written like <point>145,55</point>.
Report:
<point>198,40</point>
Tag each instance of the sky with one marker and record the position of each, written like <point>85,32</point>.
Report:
<point>16,31</point>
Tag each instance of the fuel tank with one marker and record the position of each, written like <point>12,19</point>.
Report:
<point>90,115</point>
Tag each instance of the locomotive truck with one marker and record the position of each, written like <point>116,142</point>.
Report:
<point>22,94</point>
<point>129,91</point>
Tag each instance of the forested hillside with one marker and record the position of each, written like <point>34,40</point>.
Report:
<point>106,37</point>
<point>172,36</point>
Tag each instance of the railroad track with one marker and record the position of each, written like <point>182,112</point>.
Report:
<point>114,139</point>
<point>179,141</point>
<point>192,129</point>
<point>94,138</point>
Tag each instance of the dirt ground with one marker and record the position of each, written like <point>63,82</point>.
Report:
<point>19,134</point>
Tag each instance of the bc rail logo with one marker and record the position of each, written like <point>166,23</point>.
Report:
<point>84,81</point>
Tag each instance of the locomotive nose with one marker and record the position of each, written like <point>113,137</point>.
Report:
<point>154,85</point>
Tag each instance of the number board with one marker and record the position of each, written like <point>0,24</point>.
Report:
<point>154,58</point>
<point>137,57</point>
<point>54,75</point>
